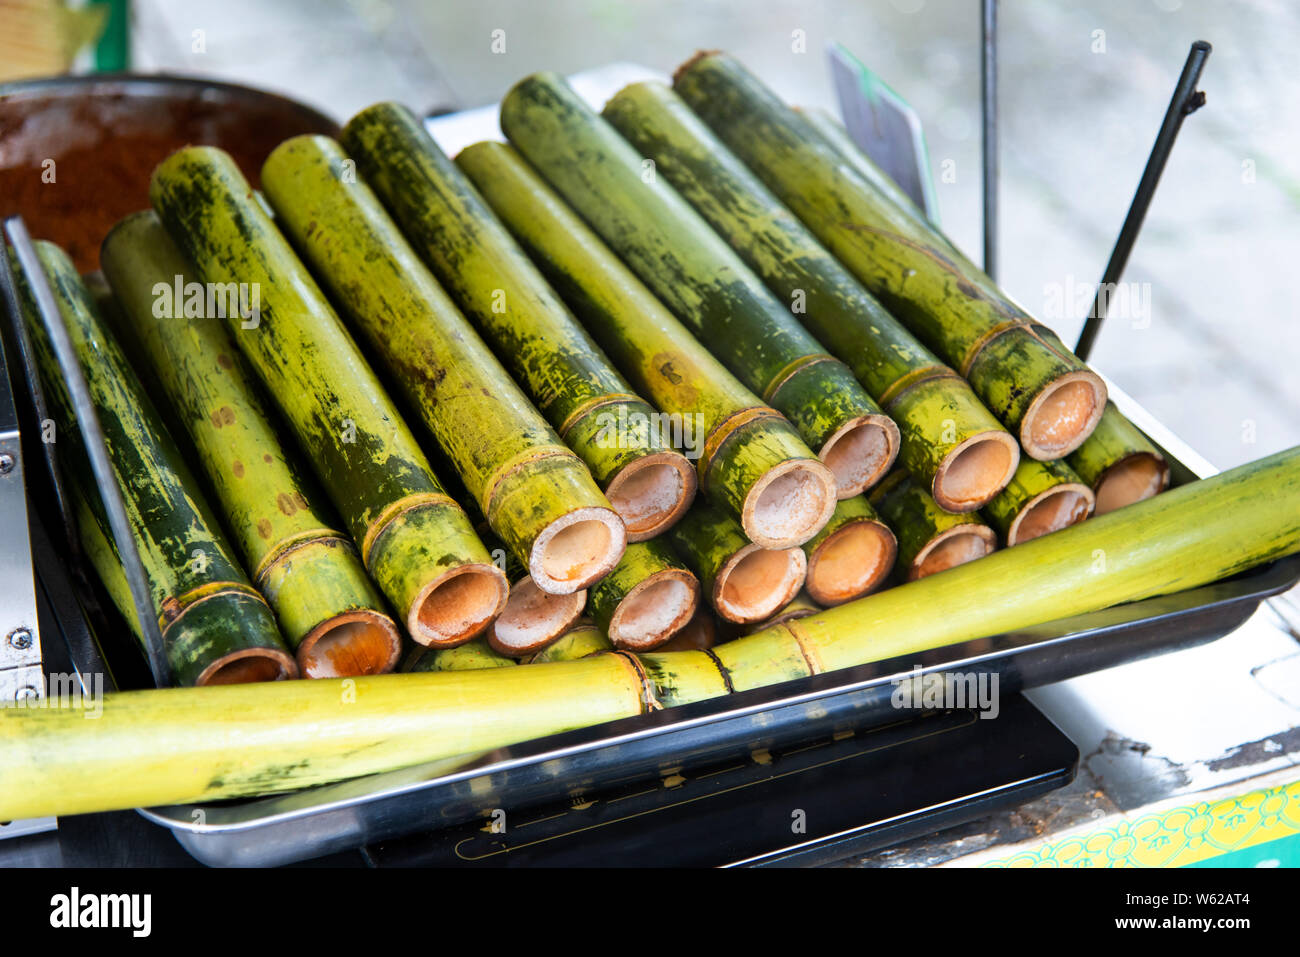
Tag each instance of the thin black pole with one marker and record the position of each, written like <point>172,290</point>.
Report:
<point>989,110</point>
<point>1186,99</point>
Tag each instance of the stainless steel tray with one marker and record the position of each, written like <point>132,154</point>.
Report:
<point>322,820</point>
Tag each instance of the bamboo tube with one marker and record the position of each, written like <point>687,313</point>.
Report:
<point>1119,463</point>
<point>310,574</point>
<point>749,456</point>
<point>700,278</point>
<point>521,317</point>
<point>801,607</point>
<point>743,582</point>
<point>215,627</point>
<point>471,656</point>
<point>930,539</point>
<point>414,540</point>
<point>537,495</point>
<point>190,745</point>
<point>1043,497</point>
<point>646,599</point>
<point>949,440</point>
<point>851,556</point>
<point>580,641</point>
<point>698,634</point>
<point>1049,399</point>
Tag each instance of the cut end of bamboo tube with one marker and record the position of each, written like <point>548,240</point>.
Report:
<point>756,583</point>
<point>861,453</point>
<point>576,550</point>
<point>952,547</point>
<point>533,619</point>
<point>1134,478</point>
<point>361,642</point>
<point>1059,507</point>
<point>455,607</point>
<point>852,562</point>
<point>1063,415</point>
<point>249,665</point>
<point>651,493</point>
<point>974,472</point>
<point>655,610</point>
<point>698,634</point>
<point>790,504</point>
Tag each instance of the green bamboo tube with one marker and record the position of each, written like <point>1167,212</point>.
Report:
<point>414,540</point>
<point>646,599</point>
<point>851,556</point>
<point>748,456</point>
<point>537,495</point>
<point>191,745</point>
<point>542,345</point>
<point>744,582</point>
<point>309,572</point>
<point>471,656</point>
<point>1049,399</point>
<point>1119,463</point>
<point>801,607</point>
<point>578,642</point>
<point>949,440</point>
<point>930,539</point>
<point>215,626</point>
<point>700,278</point>
<point>1043,497</point>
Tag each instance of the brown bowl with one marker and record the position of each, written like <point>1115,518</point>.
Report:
<point>106,133</point>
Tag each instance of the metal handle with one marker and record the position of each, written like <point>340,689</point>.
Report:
<point>1186,100</point>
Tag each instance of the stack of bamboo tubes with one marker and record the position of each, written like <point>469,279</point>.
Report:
<point>581,348</point>
<point>676,372</point>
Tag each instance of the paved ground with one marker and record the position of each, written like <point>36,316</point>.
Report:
<point>1211,340</point>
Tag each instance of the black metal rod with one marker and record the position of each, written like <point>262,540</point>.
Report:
<point>989,112</point>
<point>1186,99</point>
<point>92,436</point>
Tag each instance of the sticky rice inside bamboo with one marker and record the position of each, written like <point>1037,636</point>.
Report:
<point>860,453</point>
<point>757,582</point>
<point>652,493</point>
<point>360,642</point>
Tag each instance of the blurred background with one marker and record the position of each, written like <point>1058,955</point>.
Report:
<point>1210,339</point>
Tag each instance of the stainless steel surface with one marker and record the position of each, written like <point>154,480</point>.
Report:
<point>20,644</point>
<point>20,641</point>
<point>96,451</point>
